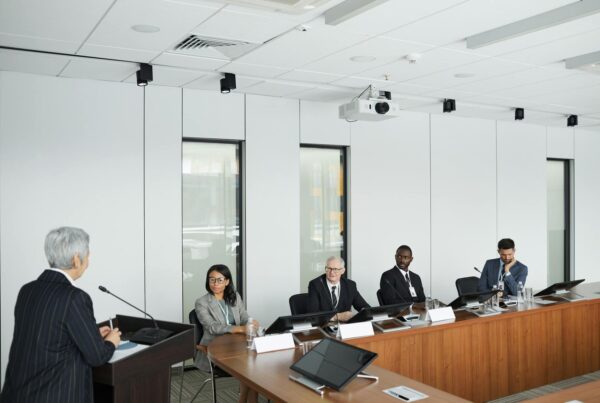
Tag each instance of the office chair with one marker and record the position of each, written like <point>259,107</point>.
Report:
<point>467,285</point>
<point>380,297</point>
<point>215,372</point>
<point>299,304</point>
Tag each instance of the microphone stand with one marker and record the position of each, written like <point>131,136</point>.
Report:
<point>411,315</point>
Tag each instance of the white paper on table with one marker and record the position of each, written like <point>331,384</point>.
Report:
<point>120,354</point>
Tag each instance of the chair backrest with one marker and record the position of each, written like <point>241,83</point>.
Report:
<point>467,285</point>
<point>197,325</point>
<point>380,297</point>
<point>299,304</point>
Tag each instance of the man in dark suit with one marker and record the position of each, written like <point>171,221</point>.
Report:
<point>56,341</point>
<point>398,284</point>
<point>505,271</point>
<point>331,292</point>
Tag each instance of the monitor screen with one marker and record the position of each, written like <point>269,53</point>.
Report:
<point>366,314</point>
<point>286,323</point>
<point>554,288</point>
<point>333,363</point>
<point>475,297</point>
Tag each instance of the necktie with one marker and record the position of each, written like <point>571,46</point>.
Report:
<point>333,297</point>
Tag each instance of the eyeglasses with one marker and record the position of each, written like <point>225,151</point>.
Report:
<point>334,269</point>
<point>216,280</point>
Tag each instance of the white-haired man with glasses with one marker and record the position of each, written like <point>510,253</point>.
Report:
<point>332,292</point>
<point>56,341</point>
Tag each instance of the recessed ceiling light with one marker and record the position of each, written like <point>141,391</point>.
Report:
<point>363,59</point>
<point>464,75</point>
<point>145,29</point>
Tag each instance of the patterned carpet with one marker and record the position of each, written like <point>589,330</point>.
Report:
<point>228,388</point>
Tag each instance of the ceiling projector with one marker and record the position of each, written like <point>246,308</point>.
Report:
<point>371,108</point>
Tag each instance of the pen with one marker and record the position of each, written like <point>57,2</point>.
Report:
<point>399,396</point>
<point>110,323</point>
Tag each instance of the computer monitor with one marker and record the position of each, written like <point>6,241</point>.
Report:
<point>333,363</point>
<point>472,299</point>
<point>558,287</point>
<point>379,312</point>
<point>300,322</point>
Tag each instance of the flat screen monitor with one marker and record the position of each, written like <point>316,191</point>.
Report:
<point>558,287</point>
<point>333,363</point>
<point>379,312</point>
<point>472,298</point>
<point>300,322</point>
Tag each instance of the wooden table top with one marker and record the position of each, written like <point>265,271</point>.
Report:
<point>268,373</point>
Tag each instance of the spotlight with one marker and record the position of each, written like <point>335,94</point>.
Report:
<point>572,121</point>
<point>449,105</point>
<point>227,83</point>
<point>144,75</point>
<point>519,114</point>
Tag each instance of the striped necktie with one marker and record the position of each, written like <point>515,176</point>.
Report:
<point>334,300</point>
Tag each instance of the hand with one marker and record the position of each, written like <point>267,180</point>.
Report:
<point>114,336</point>
<point>104,331</point>
<point>344,316</point>
<point>508,266</point>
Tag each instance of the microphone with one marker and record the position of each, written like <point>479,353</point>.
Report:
<point>146,335</point>
<point>477,270</point>
<point>410,315</point>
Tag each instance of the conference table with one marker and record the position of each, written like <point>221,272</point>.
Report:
<point>472,358</point>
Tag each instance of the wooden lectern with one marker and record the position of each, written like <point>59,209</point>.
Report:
<point>144,376</point>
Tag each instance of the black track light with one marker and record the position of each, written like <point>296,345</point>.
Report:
<point>519,114</point>
<point>227,83</point>
<point>449,105</point>
<point>572,121</point>
<point>144,74</point>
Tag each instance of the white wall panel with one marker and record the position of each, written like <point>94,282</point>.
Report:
<point>320,124</point>
<point>71,153</point>
<point>521,195</point>
<point>162,178</point>
<point>272,206</point>
<point>389,198</point>
<point>212,115</point>
<point>463,199</point>
<point>560,142</point>
<point>587,200</point>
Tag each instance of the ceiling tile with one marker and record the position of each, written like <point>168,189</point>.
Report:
<point>29,62</point>
<point>253,70</point>
<point>277,89</point>
<point>210,82</point>
<point>99,69</point>
<point>309,76</point>
<point>325,95</point>
<point>169,76</point>
<point>116,53</point>
<point>191,62</point>
<point>56,26</point>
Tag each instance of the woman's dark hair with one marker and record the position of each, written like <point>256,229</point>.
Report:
<point>229,294</point>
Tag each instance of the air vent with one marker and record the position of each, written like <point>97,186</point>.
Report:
<point>196,45</point>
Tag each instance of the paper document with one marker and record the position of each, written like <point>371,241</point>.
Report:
<point>125,349</point>
<point>405,394</point>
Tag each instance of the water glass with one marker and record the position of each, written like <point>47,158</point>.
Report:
<point>436,303</point>
<point>428,303</point>
<point>529,295</point>
<point>250,332</point>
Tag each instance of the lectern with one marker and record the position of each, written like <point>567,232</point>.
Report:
<point>144,376</point>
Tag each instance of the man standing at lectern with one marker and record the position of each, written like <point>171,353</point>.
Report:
<point>506,270</point>
<point>56,341</point>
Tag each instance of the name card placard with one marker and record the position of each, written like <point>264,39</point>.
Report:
<point>273,342</point>
<point>440,314</point>
<point>359,329</point>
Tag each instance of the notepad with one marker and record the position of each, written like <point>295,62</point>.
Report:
<point>405,394</point>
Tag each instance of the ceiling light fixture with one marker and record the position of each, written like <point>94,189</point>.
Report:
<point>145,29</point>
<point>573,11</point>
<point>348,9</point>
<point>227,83</point>
<point>144,75</point>
<point>572,121</point>
<point>519,113</point>
<point>449,105</point>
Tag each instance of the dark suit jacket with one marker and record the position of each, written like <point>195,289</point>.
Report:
<point>489,276</point>
<point>397,280</point>
<point>319,297</point>
<point>55,344</point>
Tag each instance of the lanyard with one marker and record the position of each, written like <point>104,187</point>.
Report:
<point>225,312</point>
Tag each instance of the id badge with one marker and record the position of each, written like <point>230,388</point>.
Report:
<point>413,293</point>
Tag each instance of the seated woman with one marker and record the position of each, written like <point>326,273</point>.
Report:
<point>221,311</point>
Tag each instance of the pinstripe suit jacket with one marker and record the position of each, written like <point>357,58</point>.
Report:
<point>55,344</point>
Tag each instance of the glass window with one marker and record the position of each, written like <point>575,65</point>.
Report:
<point>557,176</point>
<point>211,214</point>
<point>322,209</point>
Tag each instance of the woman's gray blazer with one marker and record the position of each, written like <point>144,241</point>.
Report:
<point>213,322</point>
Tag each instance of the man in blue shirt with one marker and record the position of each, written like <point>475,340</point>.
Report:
<point>506,270</point>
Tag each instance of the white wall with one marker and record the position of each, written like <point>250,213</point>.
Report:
<point>463,199</point>
<point>272,230</point>
<point>389,194</point>
<point>521,195</point>
<point>71,154</point>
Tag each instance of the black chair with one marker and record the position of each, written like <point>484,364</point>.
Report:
<point>467,285</point>
<point>380,297</point>
<point>299,304</point>
<point>215,372</point>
